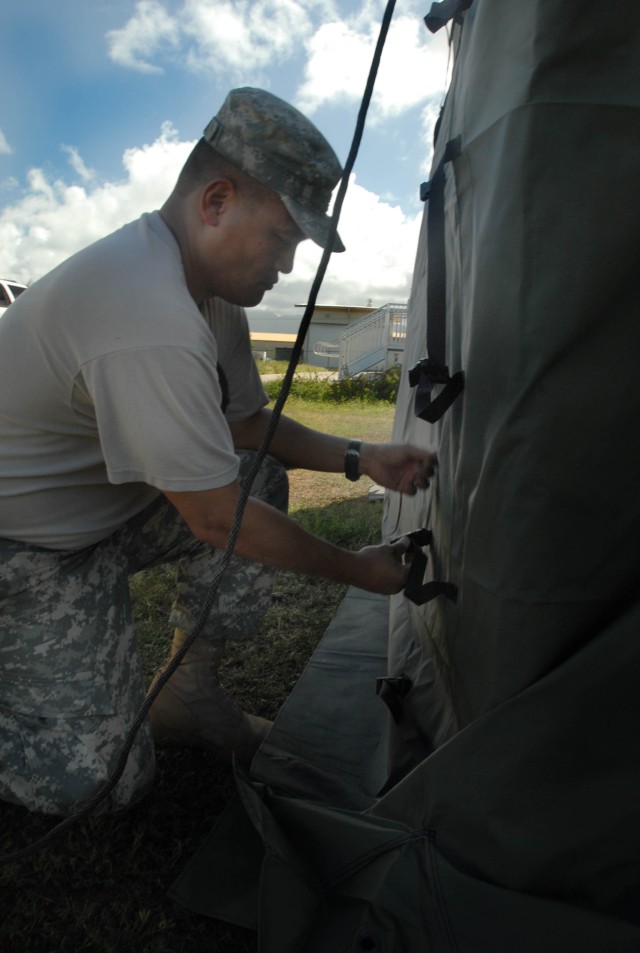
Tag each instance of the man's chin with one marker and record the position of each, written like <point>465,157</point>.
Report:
<point>247,299</point>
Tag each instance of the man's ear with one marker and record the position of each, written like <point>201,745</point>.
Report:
<point>215,199</point>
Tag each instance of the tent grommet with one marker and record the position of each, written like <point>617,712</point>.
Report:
<point>367,941</point>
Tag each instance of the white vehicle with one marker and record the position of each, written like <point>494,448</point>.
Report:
<point>9,291</point>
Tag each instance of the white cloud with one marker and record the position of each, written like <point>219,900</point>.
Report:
<point>412,68</point>
<point>5,148</point>
<point>77,163</point>
<point>242,34</point>
<point>53,219</point>
<point>381,243</point>
<point>378,264</point>
<point>238,37</point>
<point>151,30</point>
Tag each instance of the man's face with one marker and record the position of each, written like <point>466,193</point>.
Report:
<point>259,242</point>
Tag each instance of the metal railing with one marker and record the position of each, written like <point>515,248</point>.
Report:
<point>374,342</point>
<point>327,349</point>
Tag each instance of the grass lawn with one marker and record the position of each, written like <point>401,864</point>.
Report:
<point>102,885</point>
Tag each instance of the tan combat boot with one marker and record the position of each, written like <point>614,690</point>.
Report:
<point>194,711</point>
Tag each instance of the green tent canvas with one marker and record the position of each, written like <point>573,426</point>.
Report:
<point>498,808</point>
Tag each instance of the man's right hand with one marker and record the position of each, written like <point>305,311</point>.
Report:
<point>381,568</point>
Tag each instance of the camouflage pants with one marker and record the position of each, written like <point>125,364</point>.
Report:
<point>70,678</point>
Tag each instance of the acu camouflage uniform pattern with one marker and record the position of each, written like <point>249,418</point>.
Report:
<point>70,677</point>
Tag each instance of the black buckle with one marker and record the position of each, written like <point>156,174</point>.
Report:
<point>416,590</point>
<point>440,13</point>
<point>427,374</point>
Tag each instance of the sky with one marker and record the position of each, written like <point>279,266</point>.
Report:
<point>102,100</point>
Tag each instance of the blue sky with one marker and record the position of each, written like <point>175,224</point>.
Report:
<point>101,101</point>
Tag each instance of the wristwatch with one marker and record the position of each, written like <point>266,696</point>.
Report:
<point>352,461</point>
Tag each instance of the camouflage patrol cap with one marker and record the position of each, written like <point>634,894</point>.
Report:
<point>277,146</point>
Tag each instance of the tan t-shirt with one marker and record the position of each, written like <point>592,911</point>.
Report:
<point>109,390</point>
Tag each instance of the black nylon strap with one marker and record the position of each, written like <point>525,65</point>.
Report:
<point>437,273</point>
<point>432,371</point>
<point>425,375</point>
<point>440,13</point>
<point>393,691</point>
<point>416,590</point>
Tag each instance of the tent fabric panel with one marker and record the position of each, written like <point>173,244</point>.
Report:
<point>548,347</point>
<point>540,794</point>
<point>329,741</point>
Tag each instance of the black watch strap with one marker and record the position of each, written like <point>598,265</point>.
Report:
<point>352,461</point>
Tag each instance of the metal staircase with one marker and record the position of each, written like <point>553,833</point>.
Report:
<point>374,342</point>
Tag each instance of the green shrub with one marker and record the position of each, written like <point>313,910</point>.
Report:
<point>368,388</point>
<point>269,366</point>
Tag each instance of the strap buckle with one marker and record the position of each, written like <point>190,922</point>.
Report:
<point>416,590</point>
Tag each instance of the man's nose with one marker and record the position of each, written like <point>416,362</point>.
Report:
<point>286,259</point>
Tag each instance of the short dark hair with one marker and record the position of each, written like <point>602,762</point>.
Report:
<point>204,164</point>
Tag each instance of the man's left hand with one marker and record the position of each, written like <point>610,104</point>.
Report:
<point>400,467</point>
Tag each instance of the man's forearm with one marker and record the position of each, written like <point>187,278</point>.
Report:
<point>268,536</point>
<point>293,444</point>
<point>396,466</point>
